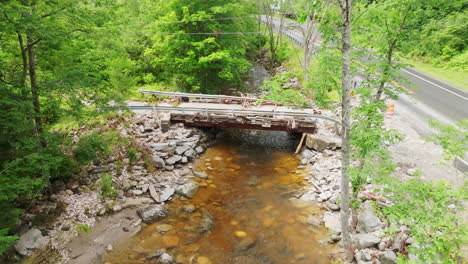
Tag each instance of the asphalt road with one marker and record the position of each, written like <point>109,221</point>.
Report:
<point>440,100</point>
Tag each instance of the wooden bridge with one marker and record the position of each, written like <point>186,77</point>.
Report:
<point>232,112</point>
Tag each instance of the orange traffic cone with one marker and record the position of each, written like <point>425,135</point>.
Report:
<point>390,109</point>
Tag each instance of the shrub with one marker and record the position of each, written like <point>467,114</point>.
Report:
<point>131,152</point>
<point>83,228</point>
<point>97,145</point>
<point>106,186</point>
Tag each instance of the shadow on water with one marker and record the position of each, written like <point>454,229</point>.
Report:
<point>245,213</point>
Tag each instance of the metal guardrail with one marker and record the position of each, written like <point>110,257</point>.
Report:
<point>201,96</point>
<point>273,113</point>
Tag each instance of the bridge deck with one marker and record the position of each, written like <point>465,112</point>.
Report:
<point>234,113</point>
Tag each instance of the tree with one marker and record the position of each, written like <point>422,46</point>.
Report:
<point>176,54</point>
<point>346,12</point>
<point>310,15</point>
<point>268,10</point>
<point>52,65</point>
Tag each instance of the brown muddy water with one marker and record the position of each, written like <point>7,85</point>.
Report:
<point>249,194</point>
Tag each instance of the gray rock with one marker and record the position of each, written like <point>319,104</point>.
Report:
<point>199,150</point>
<point>187,190</point>
<point>173,160</point>
<point>152,213</point>
<point>137,192</point>
<point>190,153</point>
<point>387,257</point>
<point>181,149</point>
<point>157,253</point>
<point>320,142</point>
<point>165,259</point>
<point>381,245</point>
<point>160,146</point>
<point>332,221</point>
<point>117,208</point>
<point>332,206</point>
<point>166,194</point>
<point>367,220</point>
<point>184,160</point>
<point>158,161</point>
<point>206,222</point>
<point>397,240</point>
<point>362,241</point>
<point>161,154</point>
<point>244,244</point>
<point>411,172</point>
<point>200,174</point>
<point>31,240</point>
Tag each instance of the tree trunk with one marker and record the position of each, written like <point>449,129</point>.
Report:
<point>346,122</point>
<point>385,73</point>
<point>35,90</point>
<point>25,92</point>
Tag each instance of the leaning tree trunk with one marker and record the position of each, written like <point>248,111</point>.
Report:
<point>346,122</point>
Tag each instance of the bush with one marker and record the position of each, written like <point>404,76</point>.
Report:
<point>97,145</point>
<point>131,152</point>
<point>430,210</point>
<point>277,93</point>
<point>106,186</point>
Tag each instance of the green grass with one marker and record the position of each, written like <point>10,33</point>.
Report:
<point>458,79</point>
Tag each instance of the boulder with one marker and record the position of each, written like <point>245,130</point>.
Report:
<point>332,221</point>
<point>158,161</point>
<point>206,222</point>
<point>181,149</point>
<point>387,257</point>
<point>190,153</point>
<point>165,259</point>
<point>367,220</point>
<point>152,213</point>
<point>362,241</point>
<point>173,160</point>
<point>320,142</point>
<point>200,174</point>
<point>31,240</point>
<point>166,194</point>
<point>199,149</point>
<point>187,190</point>
<point>160,146</point>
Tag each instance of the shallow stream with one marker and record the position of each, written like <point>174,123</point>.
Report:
<point>244,213</point>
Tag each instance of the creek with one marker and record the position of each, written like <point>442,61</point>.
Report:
<point>245,212</point>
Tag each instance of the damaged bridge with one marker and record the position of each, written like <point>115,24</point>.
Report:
<point>204,110</point>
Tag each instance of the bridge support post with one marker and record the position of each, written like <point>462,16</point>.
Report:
<point>165,122</point>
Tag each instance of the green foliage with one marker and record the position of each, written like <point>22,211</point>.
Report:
<point>132,155</point>
<point>430,210</point>
<point>80,228</point>
<point>325,78</point>
<point>97,145</point>
<point>454,139</point>
<point>5,240</point>
<point>191,62</point>
<point>368,139</point>
<point>106,186</point>
<point>277,93</point>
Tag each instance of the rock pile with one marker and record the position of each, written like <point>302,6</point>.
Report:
<point>160,169</point>
<point>323,160</point>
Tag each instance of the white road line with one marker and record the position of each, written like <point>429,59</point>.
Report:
<point>461,96</point>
